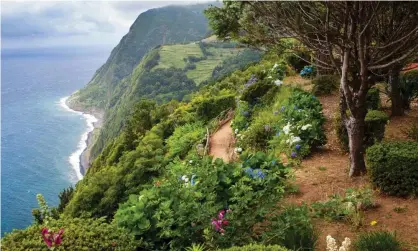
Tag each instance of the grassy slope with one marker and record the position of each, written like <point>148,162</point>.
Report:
<point>174,55</point>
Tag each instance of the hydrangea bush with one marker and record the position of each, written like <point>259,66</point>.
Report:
<point>308,71</point>
<point>300,127</point>
<point>204,200</point>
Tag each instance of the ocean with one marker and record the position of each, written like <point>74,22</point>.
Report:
<point>41,138</point>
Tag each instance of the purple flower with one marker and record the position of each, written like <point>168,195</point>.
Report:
<point>251,81</point>
<point>293,155</point>
<point>298,147</point>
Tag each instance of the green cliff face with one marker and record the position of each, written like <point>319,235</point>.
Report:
<point>168,72</point>
<point>168,25</point>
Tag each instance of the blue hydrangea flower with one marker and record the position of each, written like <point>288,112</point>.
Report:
<point>249,171</point>
<point>293,155</point>
<point>260,174</point>
<point>298,147</point>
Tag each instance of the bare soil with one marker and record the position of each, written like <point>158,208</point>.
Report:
<point>221,143</point>
<point>326,172</point>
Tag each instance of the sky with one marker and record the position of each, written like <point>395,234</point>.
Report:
<point>57,24</point>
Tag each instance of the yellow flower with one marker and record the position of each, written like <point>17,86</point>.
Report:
<point>372,223</point>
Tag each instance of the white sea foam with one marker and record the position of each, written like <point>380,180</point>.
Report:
<point>74,158</point>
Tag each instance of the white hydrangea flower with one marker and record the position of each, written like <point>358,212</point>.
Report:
<point>269,77</point>
<point>236,131</point>
<point>286,128</point>
<point>275,66</point>
<point>306,126</point>
<point>278,82</point>
<point>186,180</point>
<point>190,161</point>
<point>293,140</point>
<point>184,177</point>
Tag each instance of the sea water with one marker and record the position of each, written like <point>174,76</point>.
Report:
<point>41,138</point>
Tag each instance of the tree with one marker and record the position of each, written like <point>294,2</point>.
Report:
<point>353,36</point>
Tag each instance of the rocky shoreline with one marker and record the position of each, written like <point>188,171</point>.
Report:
<point>85,160</point>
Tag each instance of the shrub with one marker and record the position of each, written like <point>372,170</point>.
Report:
<point>209,108</point>
<point>291,228</point>
<point>377,241</point>
<point>256,247</point>
<point>374,129</point>
<point>298,61</point>
<point>79,234</point>
<point>393,167</point>
<point>346,208</point>
<point>308,71</point>
<point>242,116</point>
<point>181,207</point>
<point>253,93</point>
<point>412,132</point>
<point>189,66</point>
<point>184,139</point>
<point>325,84</point>
<point>373,99</point>
<point>300,127</point>
<point>375,123</point>
<point>409,87</point>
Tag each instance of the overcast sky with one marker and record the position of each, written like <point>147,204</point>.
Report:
<point>46,24</point>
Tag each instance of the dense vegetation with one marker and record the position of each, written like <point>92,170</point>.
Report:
<point>153,186</point>
<point>168,25</point>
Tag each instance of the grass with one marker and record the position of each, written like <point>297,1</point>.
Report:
<point>298,81</point>
<point>174,55</point>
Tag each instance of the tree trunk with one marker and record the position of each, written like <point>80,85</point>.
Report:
<point>395,93</point>
<point>355,129</point>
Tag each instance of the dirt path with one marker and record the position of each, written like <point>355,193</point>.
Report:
<point>326,173</point>
<point>221,143</point>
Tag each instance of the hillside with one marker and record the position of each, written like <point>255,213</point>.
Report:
<point>167,25</point>
<point>170,72</point>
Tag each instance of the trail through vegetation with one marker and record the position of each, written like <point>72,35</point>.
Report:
<point>221,143</point>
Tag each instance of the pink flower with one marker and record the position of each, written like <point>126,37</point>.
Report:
<point>221,214</point>
<point>50,238</point>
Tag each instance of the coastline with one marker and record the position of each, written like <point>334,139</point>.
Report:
<point>80,159</point>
